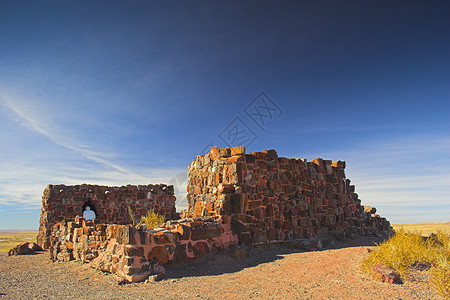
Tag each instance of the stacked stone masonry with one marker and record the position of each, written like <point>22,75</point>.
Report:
<point>233,198</point>
<point>134,254</point>
<point>110,204</point>
<point>276,198</point>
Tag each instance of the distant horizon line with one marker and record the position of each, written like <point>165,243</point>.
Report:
<point>444,222</point>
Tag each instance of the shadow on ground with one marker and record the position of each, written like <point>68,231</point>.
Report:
<point>222,263</point>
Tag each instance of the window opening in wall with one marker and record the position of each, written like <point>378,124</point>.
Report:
<point>89,211</point>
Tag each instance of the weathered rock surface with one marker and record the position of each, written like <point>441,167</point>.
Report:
<point>384,274</point>
<point>24,248</point>
<point>135,254</point>
<point>111,204</point>
<point>271,198</point>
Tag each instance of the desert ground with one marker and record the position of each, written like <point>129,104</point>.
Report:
<point>275,272</point>
<point>424,228</point>
<point>9,239</point>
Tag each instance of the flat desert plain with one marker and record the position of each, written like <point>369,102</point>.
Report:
<point>424,228</point>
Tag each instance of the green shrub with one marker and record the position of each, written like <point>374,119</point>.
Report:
<point>152,219</point>
<point>403,250</point>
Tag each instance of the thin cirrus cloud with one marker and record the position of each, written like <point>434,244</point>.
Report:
<point>29,116</point>
<point>405,179</point>
<point>67,161</point>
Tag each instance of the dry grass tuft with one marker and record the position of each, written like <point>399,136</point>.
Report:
<point>440,277</point>
<point>152,219</point>
<point>406,249</point>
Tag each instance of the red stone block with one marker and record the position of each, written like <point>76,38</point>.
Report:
<point>370,209</point>
<point>271,154</point>
<point>199,232</point>
<point>184,231</point>
<point>200,249</point>
<point>198,208</point>
<point>245,238</point>
<point>225,152</point>
<point>384,274</point>
<point>287,225</point>
<point>254,204</point>
<point>262,164</point>
<point>319,163</point>
<point>217,178</point>
<point>214,153</point>
<point>300,233</point>
<point>179,255</point>
<point>339,164</point>
<point>235,159</point>
<point>272,184</point>
<point>249,158</point>
<point>238,150</point>
<point>209,206</point>
<point>160,254</point>
<point>160,238</point>
<point>34,247</point>
<point>225,188</point>
<point>131,250</point>
<point>311,233</point>
<point>21,249</point>
<point>260,155</point>
<point>214,230</point>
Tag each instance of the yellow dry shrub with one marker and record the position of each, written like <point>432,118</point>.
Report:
<point>400,252</point>
<point>152,219</point>
<point>130,213</point>
<point>404,249</point>
<point>440,278</point>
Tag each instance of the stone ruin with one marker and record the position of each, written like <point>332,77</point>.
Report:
<point>276,198</point>
<point>110,204</point>
<point>234,198</point>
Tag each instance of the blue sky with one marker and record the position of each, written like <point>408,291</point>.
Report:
<point>129,92</point>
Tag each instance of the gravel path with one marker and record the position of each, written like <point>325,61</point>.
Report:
<point>268,273</point>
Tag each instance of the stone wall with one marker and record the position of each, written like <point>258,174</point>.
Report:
<point>134,254</point>
<point>234,197</point>
<point>276,198</point>
<point>61,202</point>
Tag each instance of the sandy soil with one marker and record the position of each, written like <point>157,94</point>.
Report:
<point>267,273</point>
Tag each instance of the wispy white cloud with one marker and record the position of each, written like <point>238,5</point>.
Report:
<point>408,175</point>
<point>363,128</point>
<point>34,117</point>
<point>24,183</point>
<point>405,178</point>
<point>23,178</point>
